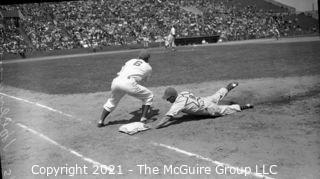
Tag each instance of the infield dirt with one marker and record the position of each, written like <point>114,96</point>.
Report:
<point>282,130</point>
<point>281,78</point>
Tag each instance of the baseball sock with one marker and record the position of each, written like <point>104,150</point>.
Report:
<point>104,114</point>
<point>145,109</point>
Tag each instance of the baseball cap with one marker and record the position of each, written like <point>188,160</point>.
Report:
<point>144,54</point>
<point>169,92</point>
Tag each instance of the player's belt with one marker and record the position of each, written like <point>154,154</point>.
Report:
<point>123,77</point>
<point>131,78</point>
<point>134,78</point>
<point>127,77</point>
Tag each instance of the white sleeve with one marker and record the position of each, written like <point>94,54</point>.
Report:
<point>176,108</point>
<point>148,73</point>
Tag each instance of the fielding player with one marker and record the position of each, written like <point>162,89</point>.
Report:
<point>186,102</point>
<point>127,82</point>
<point>275,32</point>
<point>172,37</point>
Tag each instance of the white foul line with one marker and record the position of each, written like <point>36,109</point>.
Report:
<point>95,163</point>
<point>258,175</point>
<point>52,141</point>
<point>39,105</point>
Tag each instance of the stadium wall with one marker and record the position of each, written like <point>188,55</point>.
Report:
<point>196,40</point>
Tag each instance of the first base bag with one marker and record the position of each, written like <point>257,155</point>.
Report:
<point>133,128</point>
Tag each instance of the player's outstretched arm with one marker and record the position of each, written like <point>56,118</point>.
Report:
<point>162,122</point>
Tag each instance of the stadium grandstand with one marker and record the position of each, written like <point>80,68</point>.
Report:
<point>56,25</point>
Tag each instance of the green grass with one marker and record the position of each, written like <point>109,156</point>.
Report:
<point>91,74</point>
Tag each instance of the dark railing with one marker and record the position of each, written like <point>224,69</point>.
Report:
<point>196,40</point>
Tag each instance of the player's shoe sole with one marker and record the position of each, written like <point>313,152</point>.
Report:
<point>232,85</point>
<point>247,106</point>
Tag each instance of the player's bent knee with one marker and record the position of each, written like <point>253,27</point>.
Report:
<point>149,100</point>
<point>108,108</point>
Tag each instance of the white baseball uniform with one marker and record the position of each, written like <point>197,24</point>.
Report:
<point>171,37</point>
<point>187,102</point>
<point>127,82</point>
<point>173,31</point>
<point>275,32</point>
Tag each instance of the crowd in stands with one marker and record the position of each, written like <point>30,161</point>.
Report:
<point>96,23</point>
<point>236,22</point>
<point>11,39</point>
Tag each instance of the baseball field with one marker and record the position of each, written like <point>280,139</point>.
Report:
<point>50,107</point>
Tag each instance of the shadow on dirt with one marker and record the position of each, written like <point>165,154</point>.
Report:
<point>187,118</point>
<point>136,117</point>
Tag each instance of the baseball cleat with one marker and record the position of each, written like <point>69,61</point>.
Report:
<point>100,124</point>
<point>143,120</point>
<point>247,106</point>
<point>232,85</point>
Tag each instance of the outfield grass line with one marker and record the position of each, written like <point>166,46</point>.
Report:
<point>66,56</point>
<point>41,106</point>
<point>69,150</point>
<point>162,50</point>
<point>190,154</point>
<point>85,55</point>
